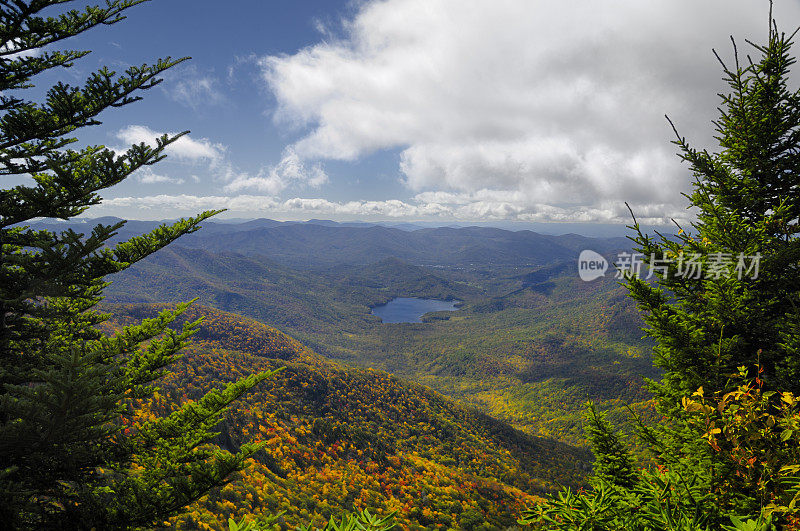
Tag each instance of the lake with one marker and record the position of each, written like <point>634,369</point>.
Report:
<point>410,310</point>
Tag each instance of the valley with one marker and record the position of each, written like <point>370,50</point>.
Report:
<point>460,418</point>
<point>529,344</point>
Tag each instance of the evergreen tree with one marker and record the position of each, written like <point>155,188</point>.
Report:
<point>70,456</point>
<point>613,461</point>
<point>728,287</point>
<point>747,202</point>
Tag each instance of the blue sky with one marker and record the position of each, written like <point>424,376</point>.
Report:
<point>437,110</point>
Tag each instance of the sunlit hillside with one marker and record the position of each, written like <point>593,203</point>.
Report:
<point>361,438</point>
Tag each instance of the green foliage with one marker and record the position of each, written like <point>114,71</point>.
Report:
<point>751,434</point>
<point>755,434</point>
<point>266,523</point>
<point>660,501</point>
<point>759,524</point>
<point>71,457</point>
<point>747,203</point>
<point>613,461</point>
<point>360,521</point>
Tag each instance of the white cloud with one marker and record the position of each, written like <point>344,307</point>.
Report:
<point>185,148</point>
<point>13,45</point>
<point>481,207</point>
<point>255,204</point>
<point>260,182</point>
<point>146,175</point>
<point>273,180</point>
<point>522,109</point>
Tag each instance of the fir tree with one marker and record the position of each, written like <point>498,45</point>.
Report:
<point>613,461</point>
<point>738,305</point>
<point>747,202</point>
<point>67,457</point>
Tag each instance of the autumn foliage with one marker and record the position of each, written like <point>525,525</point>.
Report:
<point>340,439</point>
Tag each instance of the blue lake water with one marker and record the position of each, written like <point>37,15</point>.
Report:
<point>410,310</point>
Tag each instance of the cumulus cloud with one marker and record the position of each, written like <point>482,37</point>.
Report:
<point>273,180</point>
<point>483,207</point>
<point>289,171</point>
<point>524,109</point>
<point>185,148</point>
<point>147,176</point>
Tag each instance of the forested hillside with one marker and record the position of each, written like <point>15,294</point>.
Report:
<point>529,345</point>
<point>341,438</point>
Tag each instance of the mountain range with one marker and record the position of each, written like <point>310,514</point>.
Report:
<point>528,346</point>
<point>318,244</point>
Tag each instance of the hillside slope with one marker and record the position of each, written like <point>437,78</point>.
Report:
<point>339,439</point>
<point>529,345</point>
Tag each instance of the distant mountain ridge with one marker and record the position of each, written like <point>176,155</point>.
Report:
<point>588,229</point>
<point>320,244</point>
<point>310,246</point>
